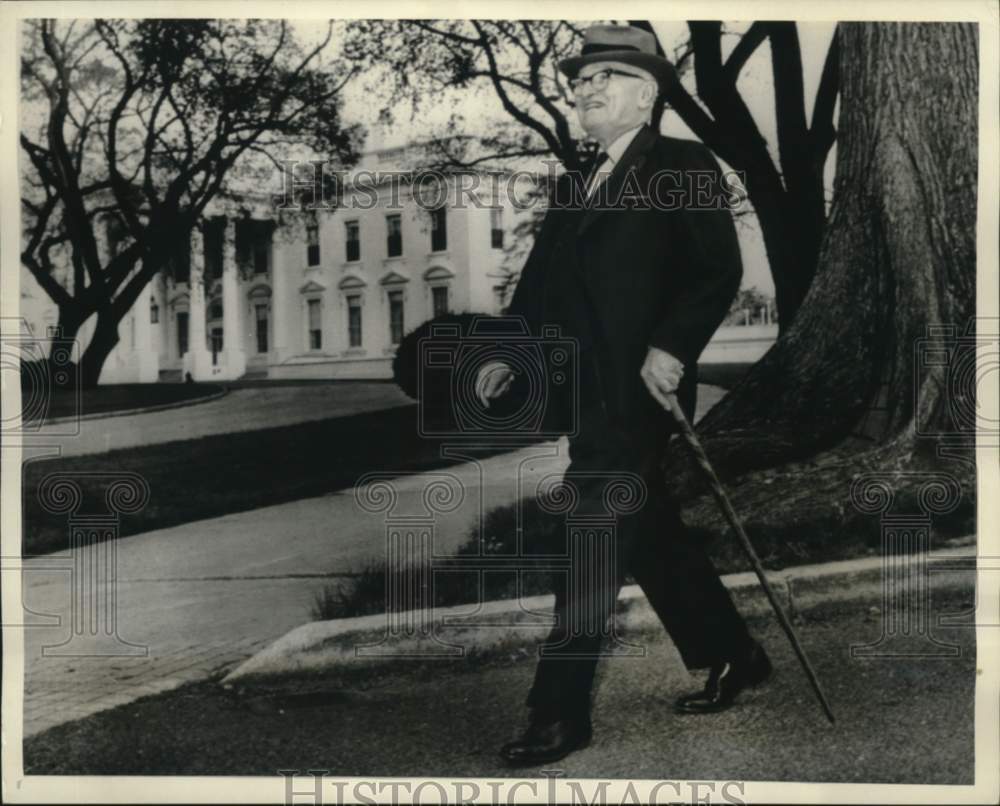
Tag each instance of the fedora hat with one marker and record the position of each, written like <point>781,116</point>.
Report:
<point>621,43</point>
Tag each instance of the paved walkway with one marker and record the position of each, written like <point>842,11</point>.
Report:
<point>248,409</point>
<point>206,595</point>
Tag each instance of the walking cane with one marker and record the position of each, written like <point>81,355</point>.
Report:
<point>727,509</point>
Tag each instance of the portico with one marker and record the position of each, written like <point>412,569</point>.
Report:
<point>219,306</point>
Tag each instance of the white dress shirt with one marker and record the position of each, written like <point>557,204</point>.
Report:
<point>615,151</point>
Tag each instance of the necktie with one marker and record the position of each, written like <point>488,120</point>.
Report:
<point>601,158</point>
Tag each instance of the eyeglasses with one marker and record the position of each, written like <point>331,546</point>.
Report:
<point>598,80</point>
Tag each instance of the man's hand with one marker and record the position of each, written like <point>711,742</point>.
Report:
<point>494,379</point>
<point>662,374</point>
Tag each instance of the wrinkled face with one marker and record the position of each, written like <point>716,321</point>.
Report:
<point>621,105</point>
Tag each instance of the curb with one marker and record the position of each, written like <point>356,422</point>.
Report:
<point>105,415</point>
<point>355,643</point>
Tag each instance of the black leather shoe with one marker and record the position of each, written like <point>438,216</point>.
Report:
<point>547,740</point>
<point>725,681</point>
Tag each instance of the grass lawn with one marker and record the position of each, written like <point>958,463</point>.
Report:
<point>208,477</point>
<point>544,535</point>
<point>117,397</point>
<point>124,396</point>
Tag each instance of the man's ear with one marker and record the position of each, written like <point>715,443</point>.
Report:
<point>648,94</point>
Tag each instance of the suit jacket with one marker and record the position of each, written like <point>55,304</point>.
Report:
<point>622,279</point>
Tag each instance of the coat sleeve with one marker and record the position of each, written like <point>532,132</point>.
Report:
<point>709,265</point>
<point>529,294</point>
<point>527,299</point>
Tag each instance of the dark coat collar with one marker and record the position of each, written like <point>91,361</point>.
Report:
<point>631,160</point>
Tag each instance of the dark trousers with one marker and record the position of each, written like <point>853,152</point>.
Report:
<point>652,545</point>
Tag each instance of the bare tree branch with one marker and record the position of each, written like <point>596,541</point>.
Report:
<point>512,109</point>
<point>744,49</point>
<point>789,98</point>
<point>822,129</point>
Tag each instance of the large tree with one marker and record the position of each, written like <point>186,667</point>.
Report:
<point>787,194</point>
<point>516,61</point>
<point>140,123</point>
<point>877,372</point>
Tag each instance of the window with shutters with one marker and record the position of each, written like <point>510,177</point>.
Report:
<point>312,241</point>
<point>394,235</point>
<point>354,320</point>
<point>396,323</point>
<point>261,319</point>
<point>315,316</point>
<point>439,297</point>
<point>352,234</point>
<point>182,332</point>
<point>215,344</point>
<point>439,229</point>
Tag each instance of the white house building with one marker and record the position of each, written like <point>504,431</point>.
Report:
<point>267,294</point>
<point>272,295</point>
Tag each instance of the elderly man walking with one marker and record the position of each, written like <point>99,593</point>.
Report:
<point>642,288</point>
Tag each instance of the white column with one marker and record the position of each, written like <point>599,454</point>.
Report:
<point>280,311</point>
<point>168,336</point>
<point>233,330</point>
<point>147,359</point>
<point>198,360</point>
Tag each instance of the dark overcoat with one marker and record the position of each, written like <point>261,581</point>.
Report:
<point>652,259</point>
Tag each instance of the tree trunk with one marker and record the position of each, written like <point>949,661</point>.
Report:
<point>846,387</point>
<point>791,256</point>
<point>101,344</point>
<point>787,195</point>
<point>63,344</point>
<point>110,315</point>
<point>792,222</point>
<point>71,319</point>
